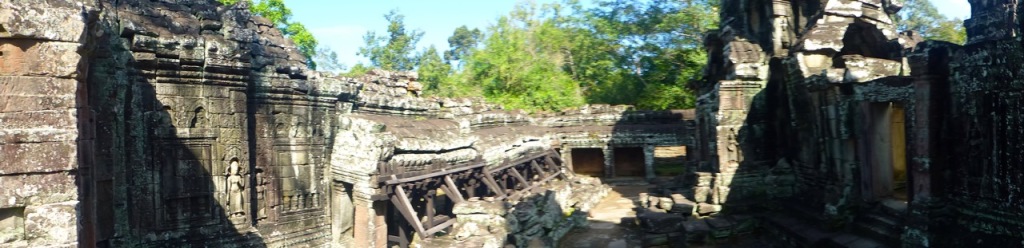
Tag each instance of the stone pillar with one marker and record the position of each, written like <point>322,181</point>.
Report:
<point>362,233</point>
<point>379,225</point>
<point>609,161</point>
<point>649,162</point>
<point>566,154</point>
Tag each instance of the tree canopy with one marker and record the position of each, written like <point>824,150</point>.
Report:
<point>553,56</point>
<point>461,43</point>
<point>922,17</point>
<point>397,49</point>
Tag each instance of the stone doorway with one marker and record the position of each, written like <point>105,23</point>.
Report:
<point>887,151</point>
<point>343,213</point>
<point>629,162</point>
<point>588,161</point>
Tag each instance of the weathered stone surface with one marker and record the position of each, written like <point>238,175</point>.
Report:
<point>50,224</point>
<point>23,94</point>
<point>480,207</point>
<point>58,20</point>
<point>37,58</point>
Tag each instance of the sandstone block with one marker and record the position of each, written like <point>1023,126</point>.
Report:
<point>38,58</point>
<point>38,157</point>
<point>20,94</point>
<point>479,207</point>
<point>52,223</point>
<point>706,209</point>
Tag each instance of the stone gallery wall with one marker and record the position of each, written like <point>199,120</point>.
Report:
<point>884,135</point>
<point>983,119</point>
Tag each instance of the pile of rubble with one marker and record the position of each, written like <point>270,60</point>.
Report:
<point>537,220</point>
<point>665,219</point>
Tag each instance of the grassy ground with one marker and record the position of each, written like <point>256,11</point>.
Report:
<point>667,170</point>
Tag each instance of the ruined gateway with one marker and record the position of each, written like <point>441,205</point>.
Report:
<point>186,123</point>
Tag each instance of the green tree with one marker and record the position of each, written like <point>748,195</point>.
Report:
<point>922,17</point>
<point>357,70</point>
<point>303,40</point>
<point>642,53</point>
<point>461,43</point>
<point>433,73</point>
<point>519,65</point>
<point>394,51</point>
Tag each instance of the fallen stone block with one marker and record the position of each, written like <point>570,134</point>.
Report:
<point>686,209</point>
<point>479,207</point>
<point>660,222</point>
<point>708,209</point>
<point>697,231</point>
<point>665,203</point>
<point>721,228</point>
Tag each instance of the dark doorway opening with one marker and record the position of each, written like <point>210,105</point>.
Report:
<point>588,161</point>
<point>629,162</point>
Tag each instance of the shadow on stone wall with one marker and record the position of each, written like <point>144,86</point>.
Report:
<point>153,185</point>
<point>161,178</point>
<point>174,159</point>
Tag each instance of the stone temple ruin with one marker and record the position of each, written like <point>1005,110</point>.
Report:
<point>180,123</point>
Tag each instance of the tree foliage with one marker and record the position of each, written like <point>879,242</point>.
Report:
<point>433,71</point>
<point>555,56</point>
<point>654,51</point>
<point>520,64</point>
<point>922,17</point>
<point>397,49</point>
<point>462,42</point>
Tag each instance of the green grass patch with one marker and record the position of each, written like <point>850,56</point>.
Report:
<point>667,170</point>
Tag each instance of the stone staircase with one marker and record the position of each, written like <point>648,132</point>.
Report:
<point>884,222</point>
<point>796,228</point>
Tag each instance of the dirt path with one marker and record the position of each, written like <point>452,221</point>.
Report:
<point>611,221</point>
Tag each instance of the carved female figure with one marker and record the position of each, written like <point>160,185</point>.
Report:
<point>234,183</point>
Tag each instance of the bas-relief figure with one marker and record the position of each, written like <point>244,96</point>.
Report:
<point>235,190</point>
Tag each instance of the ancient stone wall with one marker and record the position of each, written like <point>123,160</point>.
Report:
<point>43,144</point>
<point>907,142</point>
<point>982,128</point>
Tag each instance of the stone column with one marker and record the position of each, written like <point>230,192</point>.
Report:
<point>362,233</point>
<point>369,228</point>
<point>609,161</point>
<point>566,154</point>
<point>379,226</point>
<point>649,162</point>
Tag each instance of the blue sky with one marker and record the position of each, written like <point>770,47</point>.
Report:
<point>340,25</point>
